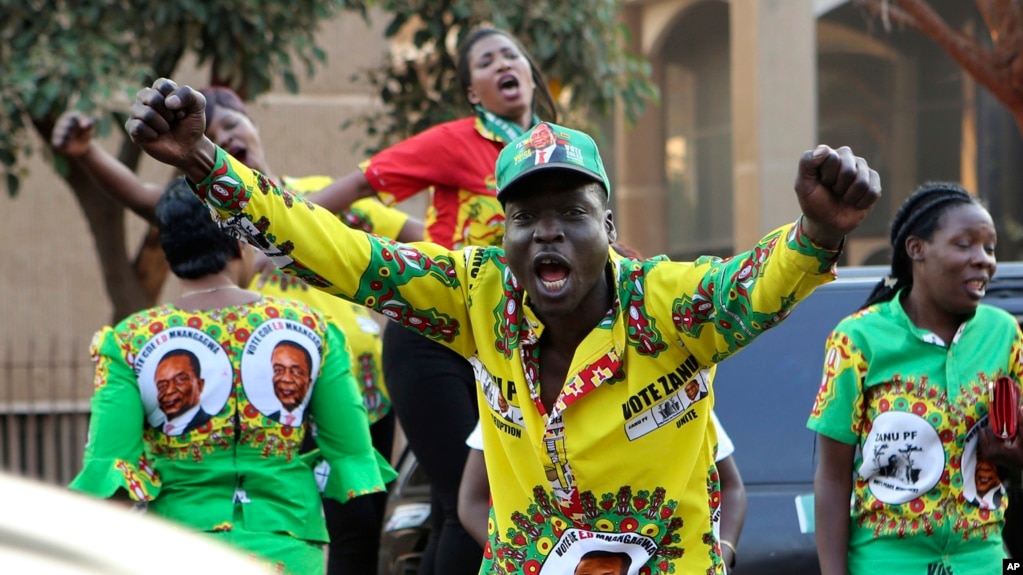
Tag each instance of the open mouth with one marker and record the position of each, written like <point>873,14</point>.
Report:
<point>239,153</point>
<point>552,273</point>
<point>509,86</point>
<point>977,287</point>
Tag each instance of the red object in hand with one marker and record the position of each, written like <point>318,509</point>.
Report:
<point>1004,413</point>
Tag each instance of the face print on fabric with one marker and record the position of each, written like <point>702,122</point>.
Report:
<point>580,552</point>
<point>547,148</point>
<point>184,378</point>
<point>498,393</point>
<point>981,484</point>
<point>279,368</point>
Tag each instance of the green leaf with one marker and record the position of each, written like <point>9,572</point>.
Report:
<point>13,184</point>
<point>290,82</point>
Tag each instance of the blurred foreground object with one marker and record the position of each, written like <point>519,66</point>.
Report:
<point>45,529</point>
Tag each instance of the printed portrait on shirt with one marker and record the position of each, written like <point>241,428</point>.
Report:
<point>185,379</point>
<point>279,367</point>
<point>695,390</point>
<point>368,371</point>
<point>580,552</point>
<point>981,484</point>
<point>502,396</point>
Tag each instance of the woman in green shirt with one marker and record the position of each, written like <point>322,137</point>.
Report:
<point>902,410</point>
<point>200,404</point>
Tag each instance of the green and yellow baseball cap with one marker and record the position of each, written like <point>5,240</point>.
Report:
<point>548,147</point>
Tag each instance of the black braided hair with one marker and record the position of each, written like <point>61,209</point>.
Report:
<point>919,216</point>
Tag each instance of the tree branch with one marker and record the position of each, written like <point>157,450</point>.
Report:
<point>1003,19</point>
<point>150,266</point>
<point>106,222</point>
<point>105,219</point>
<point>966,51</point>
<point>884,10</point>
<point>981,64</point>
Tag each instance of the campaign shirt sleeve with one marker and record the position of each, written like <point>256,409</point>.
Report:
<point>114,454</point>
<point>835,411</point>
<point>718,306</point>
<point>413,165</point>
<point>1016,355</point>
<point>342,427</point>
<point>420,285</point>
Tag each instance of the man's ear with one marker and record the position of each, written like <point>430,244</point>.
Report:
<point>915,248</point>
<point>609,227</point>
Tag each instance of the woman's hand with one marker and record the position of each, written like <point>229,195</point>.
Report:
<point>1007,453</point>
<point>72,134</point>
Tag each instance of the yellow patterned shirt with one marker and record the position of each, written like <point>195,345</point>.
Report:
<point>622,464</point>
<point>923,500</point>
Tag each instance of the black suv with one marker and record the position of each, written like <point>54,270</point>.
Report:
<point>764,396</point>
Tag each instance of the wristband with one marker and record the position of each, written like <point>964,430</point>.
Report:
<point>731,546</point>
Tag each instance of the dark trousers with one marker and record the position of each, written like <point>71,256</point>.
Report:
<point>354,526</point>
<point>433,392</point>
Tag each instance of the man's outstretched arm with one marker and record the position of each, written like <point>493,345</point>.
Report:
<point>422,286</point>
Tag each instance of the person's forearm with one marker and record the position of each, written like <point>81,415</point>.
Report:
<point>474,497</point>
<point>474,517</point>
<point>733,500</point>
<point>831,521</point>
<point>733,515</point>
<point>123,185</point>
<point>412,231</point>
<point>340,194</point>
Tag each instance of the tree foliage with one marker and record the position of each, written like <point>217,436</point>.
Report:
<point>579,46</point>
<point>88,53</point>
<point>94,54</point>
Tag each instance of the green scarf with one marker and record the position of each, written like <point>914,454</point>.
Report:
<point>497,128</point>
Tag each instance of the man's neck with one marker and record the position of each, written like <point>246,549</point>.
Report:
<point>566,332</point>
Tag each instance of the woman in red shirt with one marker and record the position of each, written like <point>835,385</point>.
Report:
<point>433,388</point>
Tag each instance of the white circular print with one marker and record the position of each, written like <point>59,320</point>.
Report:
<point>590,552</point>
<point>902,457</point>
<point>184,377</point>
<point>280,363</point>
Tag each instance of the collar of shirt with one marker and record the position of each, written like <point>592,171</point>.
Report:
<point>180,422</point>
<point>895,308</point>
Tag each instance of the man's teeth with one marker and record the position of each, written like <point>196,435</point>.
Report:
<point>555,285</point>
